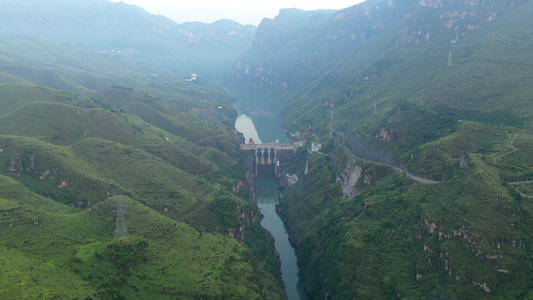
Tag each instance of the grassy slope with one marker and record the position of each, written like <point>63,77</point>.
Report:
<point>85,72</point>
<point>486,81</point>
<point>66,155</point>
<point>178,261</point>
<point>118,148</point>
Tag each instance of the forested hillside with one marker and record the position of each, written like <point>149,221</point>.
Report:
<point>423,112</point>
<point>121,178</point>
<point>121,174</point>
<point>67,161</point>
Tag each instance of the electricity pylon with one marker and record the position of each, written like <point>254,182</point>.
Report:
<point>121,230</point>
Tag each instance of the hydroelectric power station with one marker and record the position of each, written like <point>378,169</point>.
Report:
<point>269,160</point>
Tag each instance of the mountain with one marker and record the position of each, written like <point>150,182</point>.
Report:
<point>68,161</point>
<point>421,108</point>
<point>281,43</point>
<point>121,173</point>
<point>129,31</point>
<point>304,43</point>
<point>120,170</point>
<point>82,71</point>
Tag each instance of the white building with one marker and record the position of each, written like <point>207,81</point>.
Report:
<point>316,147</point>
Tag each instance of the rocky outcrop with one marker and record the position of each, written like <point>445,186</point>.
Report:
<point>32,167</point>
<point>349,178</point>
<point>246,219</point>
<point>384,134</point>
<point>456,16</point>
<point>474,246</point>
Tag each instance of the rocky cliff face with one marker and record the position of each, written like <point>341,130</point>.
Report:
<point>349,178</point>
<point>296,47</point>
<point>458,17</point>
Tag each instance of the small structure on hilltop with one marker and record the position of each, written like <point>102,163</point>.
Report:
<point>121,230</point>
<point>193,77</point>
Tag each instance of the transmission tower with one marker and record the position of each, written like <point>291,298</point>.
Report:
<point>375,107</point>
<point>450,59</point>
<point>121,230</point>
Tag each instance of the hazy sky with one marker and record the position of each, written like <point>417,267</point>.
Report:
<point>243,11</point>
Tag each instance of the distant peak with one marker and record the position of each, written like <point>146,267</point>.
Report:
<point>227,21</point>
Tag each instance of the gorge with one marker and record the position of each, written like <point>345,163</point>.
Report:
<point>411,179</point>
<point>266,189</point>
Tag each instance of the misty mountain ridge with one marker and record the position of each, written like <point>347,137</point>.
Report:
<point>120,28</point>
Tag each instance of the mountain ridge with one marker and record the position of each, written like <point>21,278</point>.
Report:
<point>129,31</point>
<point>65,156</point>
<point>439,89</point>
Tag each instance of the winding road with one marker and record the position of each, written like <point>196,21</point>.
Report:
<point>407,173</point>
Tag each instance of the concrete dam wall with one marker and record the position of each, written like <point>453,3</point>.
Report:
<point>268,160</point>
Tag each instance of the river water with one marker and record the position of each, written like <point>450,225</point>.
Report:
<point>260,119</point>
<point>267,199</point>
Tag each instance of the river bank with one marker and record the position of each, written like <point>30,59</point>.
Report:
<point>266,127</point>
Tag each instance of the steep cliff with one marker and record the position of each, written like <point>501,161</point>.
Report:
<point>465,238</point>
<point>298,47</point>
<point>436,90</point>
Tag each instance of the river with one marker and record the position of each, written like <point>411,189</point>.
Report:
<point>260,119</point>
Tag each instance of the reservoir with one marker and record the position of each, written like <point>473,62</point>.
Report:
<point>245,125</point>
<point>261,120</point>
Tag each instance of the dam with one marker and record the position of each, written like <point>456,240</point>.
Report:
<point>255,129</point>
<point>269,160</point>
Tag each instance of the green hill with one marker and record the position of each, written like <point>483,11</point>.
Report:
<point>464,238</point>
<point>88,113</point>
<point>64,159</point>
<point>82,71</point>
<point>162,257</point>
<point>436,90</point>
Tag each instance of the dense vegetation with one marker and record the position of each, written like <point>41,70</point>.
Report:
<point>433,89</point>
<point>421,190</point>
<point>89,116</point>
<point>464,238</point>
<point>64,158</point>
